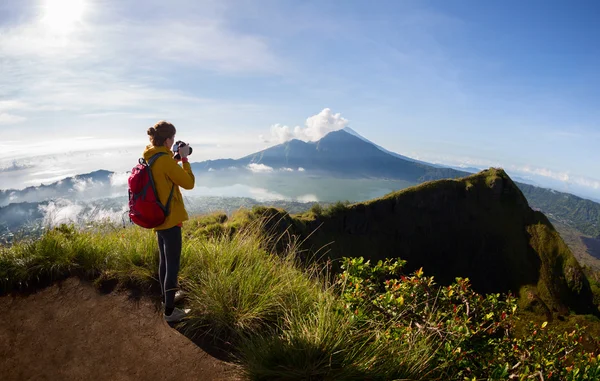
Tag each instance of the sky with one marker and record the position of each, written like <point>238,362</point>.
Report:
<point>513,84</point>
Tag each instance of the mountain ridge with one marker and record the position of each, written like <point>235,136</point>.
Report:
<point>480,227</point>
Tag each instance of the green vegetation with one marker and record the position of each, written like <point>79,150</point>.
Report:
<point>289,321</point>
<point>573,211</point>
<point>480,227</point>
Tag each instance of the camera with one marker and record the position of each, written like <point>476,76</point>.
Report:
<point>176,147</point>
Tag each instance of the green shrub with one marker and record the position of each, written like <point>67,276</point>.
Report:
<point>316,209</point>
<point>475,334</point>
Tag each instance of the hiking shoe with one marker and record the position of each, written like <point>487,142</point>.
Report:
<point>177,315</point>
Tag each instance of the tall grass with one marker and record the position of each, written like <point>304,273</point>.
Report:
<point>327,344</point>
<point>237,288</point>
<point>127,255</point>
<point>284,320</point>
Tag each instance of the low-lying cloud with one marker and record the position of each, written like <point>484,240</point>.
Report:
<point>64,211</point>
<point>14,166</point>
<point>259,168</point>
<point>95,185</point>
<point>315,127</point>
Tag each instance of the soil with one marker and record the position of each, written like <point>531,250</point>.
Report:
<point>70,331</point>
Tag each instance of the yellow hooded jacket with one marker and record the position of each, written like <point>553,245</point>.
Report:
<point>167,172</point>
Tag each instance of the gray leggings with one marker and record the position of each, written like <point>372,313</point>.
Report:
<point>169,246</point>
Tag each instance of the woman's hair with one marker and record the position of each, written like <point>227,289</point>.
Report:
<point>160,132</point>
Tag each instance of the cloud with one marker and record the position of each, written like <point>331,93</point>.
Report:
<point>261,194</point>
<point>564,177</point>
<point>307,198</point>
<point>82,185</point>
<point>14,166</point>
<point>119,179</point>
<point>6,118</point>
<point>287,169</point>
<point>544,172</point>
<point>315,127</point>
<point>61,211</point>
<point>259,168</point>
<point>117,63</point>
<point>300,169</point>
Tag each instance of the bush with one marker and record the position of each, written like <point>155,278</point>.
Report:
<point>475,334</point>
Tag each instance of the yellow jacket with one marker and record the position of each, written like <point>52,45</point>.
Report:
<point>167,172</point>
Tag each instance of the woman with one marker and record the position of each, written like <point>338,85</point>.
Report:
<point>169,175</point>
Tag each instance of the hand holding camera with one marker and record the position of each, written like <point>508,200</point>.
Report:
<point>181,150</point>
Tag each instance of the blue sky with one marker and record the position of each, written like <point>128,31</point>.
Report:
<point>479,83</point>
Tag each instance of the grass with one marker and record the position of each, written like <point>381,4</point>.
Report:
<point>283,318</point>
<point>285,321</point>
<point>236,287</point>
<point>129,256</point>
<point>327,344</point>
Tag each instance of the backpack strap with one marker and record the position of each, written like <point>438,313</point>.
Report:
<point>165,209</point>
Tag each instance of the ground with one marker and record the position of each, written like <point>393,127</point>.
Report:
<point>70,331</point>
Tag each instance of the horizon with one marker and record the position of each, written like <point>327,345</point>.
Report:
<point>506,85</point>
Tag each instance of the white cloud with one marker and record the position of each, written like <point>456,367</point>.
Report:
<point>82,184</point>
<point>300,169</point>
<point>117,63</point>
<point>280,134</point>
<point>315,127</point>
<point>6,118</point>
<point>259,168</point>
<point>79,212</point>
<point>14,166</point>
<point>308,198</point>
<point>262,194</point>
<point>544,172</point>
<point>287,169</point>
<point>119,179</point>
<point>564,177</point>
<point>60,212</point>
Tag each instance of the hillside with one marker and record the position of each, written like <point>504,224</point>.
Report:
<point>571,210</point>
<point>480,227</point>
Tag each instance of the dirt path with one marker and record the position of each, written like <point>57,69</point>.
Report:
<point>71,332</point>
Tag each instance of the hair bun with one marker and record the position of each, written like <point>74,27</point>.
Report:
<point>152,131</point>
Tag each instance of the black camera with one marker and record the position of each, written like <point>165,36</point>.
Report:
<point>178,144</point>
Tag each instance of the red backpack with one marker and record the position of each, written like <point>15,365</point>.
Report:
<point>145,208</point>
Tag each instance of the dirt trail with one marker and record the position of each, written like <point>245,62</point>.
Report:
<point>72,332</point>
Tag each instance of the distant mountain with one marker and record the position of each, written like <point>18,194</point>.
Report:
<point>75,187</point>
<point>339,153</point>
<point>568,209</point>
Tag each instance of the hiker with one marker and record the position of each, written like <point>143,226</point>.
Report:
<point>168,177</point>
